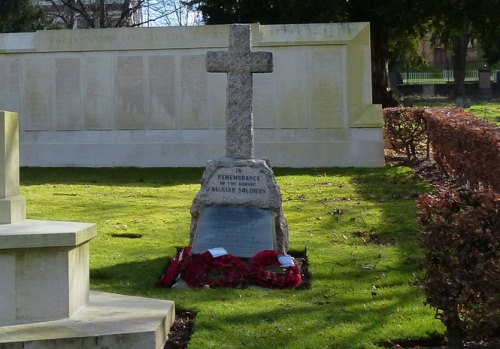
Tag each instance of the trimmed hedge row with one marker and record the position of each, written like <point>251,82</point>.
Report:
<point>460,235</point>
<point>460,227</point>
<point>463,145</point>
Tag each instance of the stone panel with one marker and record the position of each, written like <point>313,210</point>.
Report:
<point>18,42</point>
<point>217,100</point>
<point>7,287</point>
<point>67,114</point>
<point>194,85</point>
<point>43,270</point>
<point>264,106</point>
<point>241,231</point>
<point>239,185</point>
<point>309,34</point>
<point>37,83</point>
<point>326,87</point>
<point>10,83</point>
<point>125,39</point>
<point>130,113</point>
<point>162,96</point>
<point>292,89</point>
<point>98,105</point>
<point>367,76</point>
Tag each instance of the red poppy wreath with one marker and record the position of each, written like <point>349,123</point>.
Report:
<point>176,267</point>
<point>223,271</point>
<point>266,271</point>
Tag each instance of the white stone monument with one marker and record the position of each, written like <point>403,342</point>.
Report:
<point>45,300</point>
<point>138,95</point>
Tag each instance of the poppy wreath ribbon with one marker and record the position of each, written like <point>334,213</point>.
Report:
<point>266,271</point>
<point>222,271</point>
<point>176,267</point>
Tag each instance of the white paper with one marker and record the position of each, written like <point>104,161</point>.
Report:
<point>286,261</point>
<point>217,252</point>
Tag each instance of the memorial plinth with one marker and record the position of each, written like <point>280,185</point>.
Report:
<point>44,270</point>
<point>45,300</point>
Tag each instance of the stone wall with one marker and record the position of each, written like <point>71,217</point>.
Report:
<point>142,97</point>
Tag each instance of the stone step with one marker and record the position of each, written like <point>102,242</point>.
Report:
<point>109,321</point>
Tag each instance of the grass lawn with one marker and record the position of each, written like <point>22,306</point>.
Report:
<point>485,110</point>
<point>358,226</point>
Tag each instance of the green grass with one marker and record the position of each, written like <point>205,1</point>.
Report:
<point>329,212</point>
<point>489,111</point>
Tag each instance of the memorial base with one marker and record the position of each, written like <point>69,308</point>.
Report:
<point>44,269</point>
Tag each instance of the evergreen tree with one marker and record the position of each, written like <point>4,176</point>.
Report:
<point>396,25</point>
<point>20,16</point>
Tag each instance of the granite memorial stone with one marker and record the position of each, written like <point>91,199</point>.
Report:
<point>239,203</point>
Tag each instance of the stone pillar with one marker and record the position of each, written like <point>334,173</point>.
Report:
<point>12,205</point>
<point>484,78</point>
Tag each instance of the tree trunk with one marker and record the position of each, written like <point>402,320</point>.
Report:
<point>459,56</point>
<point>455,337</point>
<point>100,14</point>
<point>381,92</point>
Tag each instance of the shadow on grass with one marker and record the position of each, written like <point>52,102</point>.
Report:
<point>137,277</point>
<point>123,176</point>
<point>395,191</point>
<point>317,319</point>
<point>135,176</point>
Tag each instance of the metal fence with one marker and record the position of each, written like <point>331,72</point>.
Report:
<point>442,77</point>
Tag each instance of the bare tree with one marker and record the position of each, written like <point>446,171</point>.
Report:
<point>118,13</point>
<point>170,13</point>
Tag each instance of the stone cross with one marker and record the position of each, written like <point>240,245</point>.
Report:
<point>239,63</point>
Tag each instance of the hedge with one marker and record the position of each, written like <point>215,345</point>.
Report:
<point>462,145</point>
<point>460,235</point>
<point>465,146</point>
<point>460,227</point>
